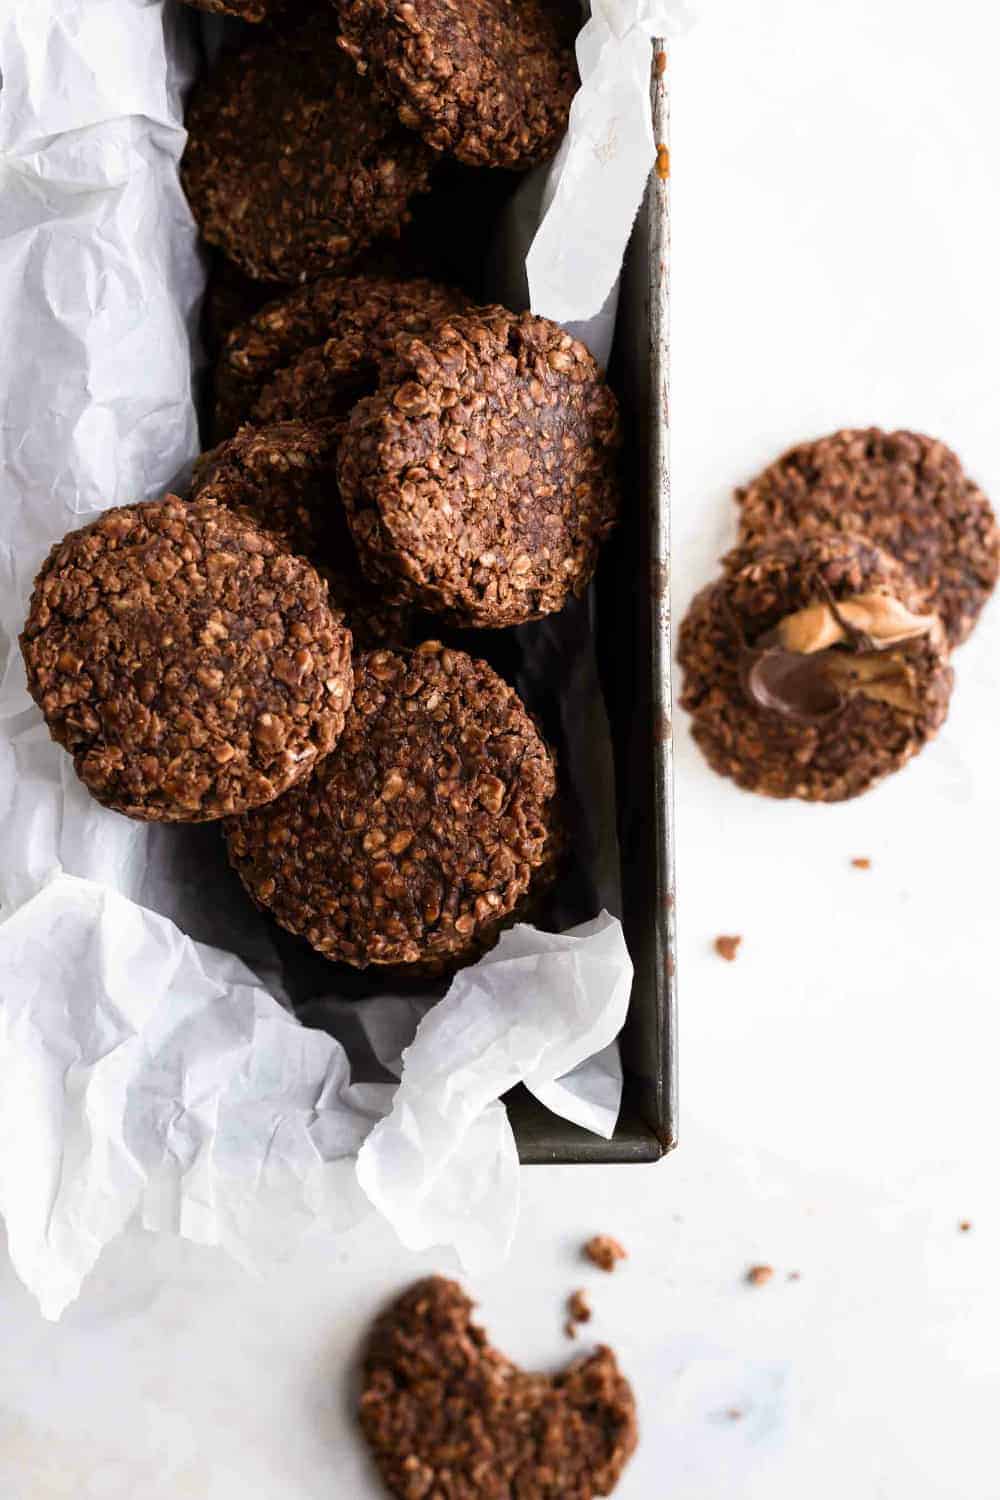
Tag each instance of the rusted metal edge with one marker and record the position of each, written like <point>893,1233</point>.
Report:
<point>662,644</point>
<point>647,1128</point>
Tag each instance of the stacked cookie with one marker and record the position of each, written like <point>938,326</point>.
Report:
<point>425,455</point>
<point>384,452</point>
<point>394,808</point>
<point>820,661</point>
<point>286,382</point>
<point>293,165</point>
<point>462,464</point>
<point>309,141</point>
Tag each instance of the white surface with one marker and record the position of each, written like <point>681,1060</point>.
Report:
<point>836,218</point>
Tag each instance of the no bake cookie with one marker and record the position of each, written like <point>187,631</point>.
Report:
<point>284,478</point>
<point>447,1415</point>
<point>813,668</point>
<point>292,165</point>
<point>191,666</point>
<point>906,492</point>
<point>487,81</point>
<point>482,478</point>
<point>416,841</point>
<point>314,351</point>
<point>243,10</point>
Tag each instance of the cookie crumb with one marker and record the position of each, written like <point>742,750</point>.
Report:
<point>861,864</point>
<point>604,1252</point>
<point>760,1275</point>
<point>569,1328</point>
<point>734,1414</point>
<point>964,1225</point>
<point>727,947</point>
<point>580,1310</point>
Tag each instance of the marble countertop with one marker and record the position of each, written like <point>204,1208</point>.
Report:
<point>836,217</point>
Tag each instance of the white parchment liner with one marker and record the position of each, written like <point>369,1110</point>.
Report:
<point>149,1063</point>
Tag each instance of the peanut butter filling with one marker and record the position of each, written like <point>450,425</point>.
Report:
<point>879,617</point>
<point>802,670</point>
<point>885,676</point>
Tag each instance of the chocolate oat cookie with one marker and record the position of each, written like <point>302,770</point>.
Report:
<point>482,477</point>
<point>327,380</point>
<point>483,79</point>
<point>284,479</point>
<point>314,351</point>
<point>446,1415</point>
<point>244,10</point>
<point>415,842</point>
<point>190,665</point>
<point>906,492</point>
<point>292,165</point>
<point>813,668</point>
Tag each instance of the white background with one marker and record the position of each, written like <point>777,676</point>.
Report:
<point>836,218</point>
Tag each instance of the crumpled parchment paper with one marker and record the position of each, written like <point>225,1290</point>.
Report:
<point>143,1073</point>
<point>152,1063</point>
<point>590,195</point>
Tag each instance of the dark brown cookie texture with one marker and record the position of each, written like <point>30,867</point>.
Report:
<point>448,1417</point>
<point>416,841</point>
<point>482,478</point>
<point>487,80</point>
<point>284,479</point>
<point>191,666</point>
<point>906,492</point>
<point>326,380</point>
<point>813,668</point>
<point>313,352</point>
<point>244,10</point>
<point>292,165</point>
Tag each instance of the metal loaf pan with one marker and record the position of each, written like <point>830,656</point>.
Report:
<point>630,608</point>
<point>632,612</point>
